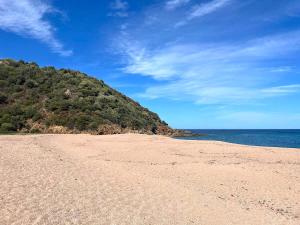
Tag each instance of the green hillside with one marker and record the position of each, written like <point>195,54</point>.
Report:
<point>37,99</point>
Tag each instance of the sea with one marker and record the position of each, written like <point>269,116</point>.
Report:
<point>269,138</point>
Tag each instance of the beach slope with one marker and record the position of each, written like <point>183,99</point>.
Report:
<point>141,179</point>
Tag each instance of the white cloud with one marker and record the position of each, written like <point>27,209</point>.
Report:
<point>217,93</point>
<point>203,10</point>
<point>27,18</point>
<point>195,59</point>
<point>207,8</point>
<point>173,4</point>
<point>281,69</point>
<point>213,74</point>
<point>282,90</point>
<point>119,8</point>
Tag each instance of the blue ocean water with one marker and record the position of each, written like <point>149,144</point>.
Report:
<point>271,138</point>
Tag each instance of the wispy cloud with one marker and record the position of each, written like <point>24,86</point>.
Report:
<point>27,18</point>
<point>213,74</point>
<point>207,8</point>
<point>227,58</point>
<point>203,10</point>
<point>217,93</point>
<point>281,69</point>
<point>119,8</point>
<point>173,4</point>
<point>177,59</point>
<point>282,90</point>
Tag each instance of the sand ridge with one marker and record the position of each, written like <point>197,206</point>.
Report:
<point>141,179</point>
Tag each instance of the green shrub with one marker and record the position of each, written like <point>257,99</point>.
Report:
<point>3,98</point>
<point>3,83</point>
<point>30,84</point>
<point>35,131</point>
<point>7,127</point>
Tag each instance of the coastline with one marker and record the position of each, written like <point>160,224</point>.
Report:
<point>145,179</point>
<point>233,143</point>
<point>282,138</point>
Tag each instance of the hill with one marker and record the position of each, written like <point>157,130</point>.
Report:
<point>37,99</point>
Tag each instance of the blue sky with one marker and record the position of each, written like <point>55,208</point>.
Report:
<point>197,63</point>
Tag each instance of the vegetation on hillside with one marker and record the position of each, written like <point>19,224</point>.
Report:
<point>46,100</point>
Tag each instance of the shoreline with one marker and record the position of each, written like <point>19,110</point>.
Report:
<point>242,145</point>
<point>182,138</point>
<point>145,179</point>
<point>280,138</point>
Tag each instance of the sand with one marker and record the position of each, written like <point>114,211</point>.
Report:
<point>139,179</point>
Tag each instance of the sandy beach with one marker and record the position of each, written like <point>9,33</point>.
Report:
<point>139,179</point>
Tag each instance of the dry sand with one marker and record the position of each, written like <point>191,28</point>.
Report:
<point>139,179</point>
